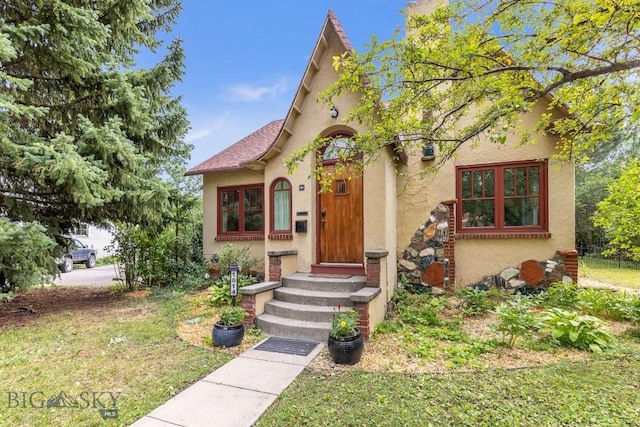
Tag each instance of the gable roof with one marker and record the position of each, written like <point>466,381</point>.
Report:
<point>331,29</point>
<point>247,149</point>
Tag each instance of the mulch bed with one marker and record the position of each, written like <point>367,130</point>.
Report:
<point>29,306</point>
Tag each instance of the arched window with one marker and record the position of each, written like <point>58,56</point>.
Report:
<point>281,206</point>
<point>341,147</point>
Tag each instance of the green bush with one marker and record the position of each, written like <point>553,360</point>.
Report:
<point>231,316</point>
<point>478,301</point>
<point>579,331</point>
<point>560,295</point>
<point>425,313</point>
<point>220,292</point>
<point>515,320</point>
<point>605,303</point>
<point>230,254</point>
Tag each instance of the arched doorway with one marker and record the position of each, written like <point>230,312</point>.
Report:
<point>340,225</point>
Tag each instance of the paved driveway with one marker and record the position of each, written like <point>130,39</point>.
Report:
<point>80,276</point>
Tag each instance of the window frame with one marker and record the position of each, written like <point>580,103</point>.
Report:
<point>272,211</point>
<point>499,198</point>
<point>241,220</point>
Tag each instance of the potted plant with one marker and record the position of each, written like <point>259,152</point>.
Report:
<point>345,342</point>
<point>228,331</point>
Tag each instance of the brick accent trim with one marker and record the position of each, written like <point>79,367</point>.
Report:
<point>237,238</point>
<point>363,322</point>
<point>533,235</point>
<point>373,272</point>
<point>275,268</point>
<point>275,236</point>
<point>570,263</point>
<point>248,304</point>
<point>450,245</point>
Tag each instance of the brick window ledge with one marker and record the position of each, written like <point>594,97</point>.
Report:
<point>499,236</point>
<point>275,236</point>
<point>238,238</point>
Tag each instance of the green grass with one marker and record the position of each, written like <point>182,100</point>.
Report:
<point>616,276</point>
<point>131,349</point>
<point>600,393</point>
<point>600,390</point>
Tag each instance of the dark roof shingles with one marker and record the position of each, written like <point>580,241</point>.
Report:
<point>248,148</point>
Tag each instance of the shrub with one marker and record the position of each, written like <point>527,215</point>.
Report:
<point>579,331</point>
<point>515,320</point>
<point>425,313</point>
<point>561,295</point>
<point>478,301</point>
<point>230,254</point>
<point>605,303</point>
<point>231,316</point>
<point>220,292</point>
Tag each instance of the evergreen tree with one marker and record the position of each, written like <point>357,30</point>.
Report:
<point>84,133</point>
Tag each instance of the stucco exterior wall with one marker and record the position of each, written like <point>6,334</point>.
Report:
<point>479,257</point>
<point>310,119</point>
<point>211,183</point>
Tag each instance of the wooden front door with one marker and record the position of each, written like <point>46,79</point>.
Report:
<point>340,222</point>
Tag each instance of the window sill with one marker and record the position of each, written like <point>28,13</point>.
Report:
<point>284,236</point>
<point>504,235</point>
<point>238,237</point>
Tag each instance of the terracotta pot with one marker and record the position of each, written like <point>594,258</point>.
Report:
<point>346,350</point>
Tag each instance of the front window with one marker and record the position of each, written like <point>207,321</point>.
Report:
<point>281,205</point>
<point>240,210</point>
<point>502,197</point>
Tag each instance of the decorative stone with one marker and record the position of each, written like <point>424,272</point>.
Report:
<point>426,262</point>
<point>407,265</point>
<point>427,252</point>
<point>442,235</point>
<point>443,225</point>
<point>531,272</point>
<point>439,253</point>
<point>567,279</point>
<point>432,218</point>
<point>516,283</point>
<point>437,291</point>
<point>510,273</point>
<point>421,245</point>
<point>434,275</point>
<point>422,227</point>
<point>550,266</point>
<point>429,232</point>
<point>442,208</point>
<point>411,253</point>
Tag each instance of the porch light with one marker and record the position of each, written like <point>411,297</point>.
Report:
<point>333,112</point>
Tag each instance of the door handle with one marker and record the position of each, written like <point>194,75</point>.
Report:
<point>323,214</point>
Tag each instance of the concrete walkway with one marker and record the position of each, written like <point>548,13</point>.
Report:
<point>234,395</point>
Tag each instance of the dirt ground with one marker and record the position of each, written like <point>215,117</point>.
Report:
<point>27,307</point>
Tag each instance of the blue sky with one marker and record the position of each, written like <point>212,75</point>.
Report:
<point>245,59</point>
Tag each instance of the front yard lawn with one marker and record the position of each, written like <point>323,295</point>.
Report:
<point>440,361</point>
<point>111,351</point>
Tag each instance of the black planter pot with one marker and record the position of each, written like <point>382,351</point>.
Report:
<point>346,350</point>
<point>227,335</point>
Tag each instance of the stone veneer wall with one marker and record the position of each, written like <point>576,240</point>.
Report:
<point>424,261</point>
<point>533,274</point>
<point>429,260</point>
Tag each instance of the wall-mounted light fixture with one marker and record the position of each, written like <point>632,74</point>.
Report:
<point>333,112</point>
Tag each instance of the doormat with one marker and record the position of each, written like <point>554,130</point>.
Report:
<point>332,276</point>
<point>287,346</point>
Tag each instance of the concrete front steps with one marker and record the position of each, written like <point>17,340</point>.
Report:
<point>304,305</point>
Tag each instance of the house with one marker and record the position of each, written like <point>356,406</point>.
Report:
<point>495,215</point>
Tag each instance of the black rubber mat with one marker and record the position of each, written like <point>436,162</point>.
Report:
<point>287,346</point>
